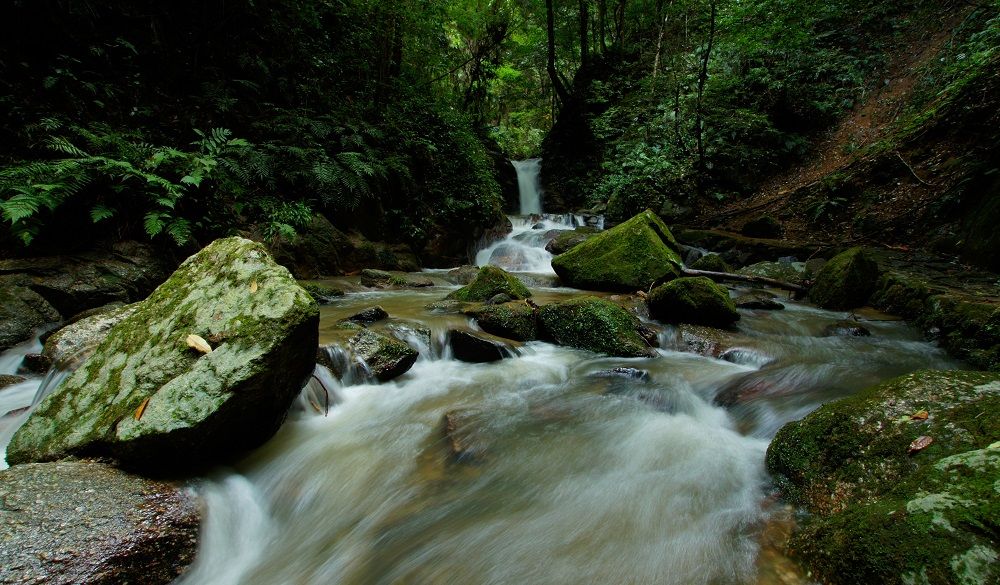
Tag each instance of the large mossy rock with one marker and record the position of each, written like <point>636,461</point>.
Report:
<point>595,324</point>
<point>22,312</point>
<point>491,281</point>
<point>515,320</point>
<point>887,506</point>
<point>630,256</point>
<point>85,523</point>
<point>384,357</point>
<point>148,399</point>
<point>698,301</point>
<point>845,282</point>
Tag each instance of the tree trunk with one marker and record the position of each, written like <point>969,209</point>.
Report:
<point>746,278</point>
<point>584,37</point>
<point>561,94</point>
<point>602,15</point>
<point>698,118</point>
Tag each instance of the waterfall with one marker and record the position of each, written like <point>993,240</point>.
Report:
<point>528,185</point>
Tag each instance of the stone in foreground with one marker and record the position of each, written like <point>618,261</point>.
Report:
<point>146,398</point>
<point>490,282</point>
<point>628,257</point>
<point>385,357</point>
<point>83,523</point>
<point>597,325</point>
<point>514,320</point>
<point>845,282</point>
<point>901,480</point>
<point>698,301</point>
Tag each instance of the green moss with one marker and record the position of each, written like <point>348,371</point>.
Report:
<point>881,513</point>
<point>631,256</point>
<point>697,301</point>
<point>900,294</point>
<point>490,282</point>
<point>514,320</point>
<point>847,281</point>
<point>594,324</point>
<point>712,262</point>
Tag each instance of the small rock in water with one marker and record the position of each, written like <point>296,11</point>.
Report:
<point>630,373</point>
<point>744,357</point>
<point>758,302</point>
<point>846,329</point>
<point>34,363</point>
<point>538,226</point>
<point>459,430</point>
<point>462,275</point>
<point>369,315</point>
<point>386,357</point>
<point>10,380</point>
<point>468,347</point>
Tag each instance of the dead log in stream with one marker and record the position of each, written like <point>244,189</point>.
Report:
<point>796,288</point>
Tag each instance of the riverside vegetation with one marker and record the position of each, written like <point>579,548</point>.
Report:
<point>615,393</point>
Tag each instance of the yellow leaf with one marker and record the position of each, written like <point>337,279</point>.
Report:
<point>920,443</point>
<point>253,286</point>
<point>197,342</point>
<point>920,415</point>
<point>142,408</point>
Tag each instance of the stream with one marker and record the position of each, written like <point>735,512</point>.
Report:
<point>578,476</point>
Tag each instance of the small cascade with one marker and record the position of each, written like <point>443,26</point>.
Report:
<point>523,250</point>
<point>50,382</point>
<point>320,393</point>
<point>529,185</point>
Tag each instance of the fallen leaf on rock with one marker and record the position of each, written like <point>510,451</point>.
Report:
<point>920,415</point>
<point>253,286</point>
<point>198,342</point>
<point>142,408</point>
<point>920,443</point>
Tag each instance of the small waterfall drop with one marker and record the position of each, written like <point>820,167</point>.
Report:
<point>529,185</point>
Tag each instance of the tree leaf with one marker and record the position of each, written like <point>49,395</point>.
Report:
<point>198,342</point>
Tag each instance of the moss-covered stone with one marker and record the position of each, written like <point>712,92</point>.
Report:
<point>567,239</point>
<point>515,320</point>
<point>490,282</point>
<point>322,293</point>
<point>693,300</point>
<point>794,272</point>
<point>596,325</point>
<point>967,328</point>
<point>630,256</point>
<point>385,357</point>
<point>148,399</point>
<point>885,511</point>
<point>845,282</point>
<point>711,262</point>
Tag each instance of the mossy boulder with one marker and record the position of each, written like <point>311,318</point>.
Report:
<point>83,522</point>
<point>148,399</point>
<point>698,301</point>
<point>470,347</point>
<point>595,324</point>
<point>711,262</point>
<point>22,312</point>
<point>901,480</point>
<point>794,272</point>
<point>630,256</point>
<point>490,282</point>
<point>845,282</point>
<point>515,320</point>
<point>565,240</point>
<point>385,357</point>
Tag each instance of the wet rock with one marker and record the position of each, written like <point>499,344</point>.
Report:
<point>515,320</point>
<point>881,514</point>
<point>757,302</point>
<point>499,299</point>
<point>22,312</point>
<point>322,294</point>
<point>489,282</point>
<point>69,346</point>
<point>706,341</point>
<point>742,250</point>
<point>764,226</point>
<point>148,399</point>
<point>693,300</point>
<point>771,382</point>
<point>711,262</point>
<point>34,363</point>
<point>793,272</point>
<point>381,279</point>
<point>594,324</point>
<point>80,523</point>
<point>462,275</point>
<point>463,436</point>
<point>385,357</point>
<point>469,347</point>
<point>744,357</point>
<point>630,256</point>
<point>10,380</point>
<point>565,240</point>
<point>846,329</point>
<point>847,281</point>
<point>369,315</point>
<point>627,373</point>
<point>446,307</point>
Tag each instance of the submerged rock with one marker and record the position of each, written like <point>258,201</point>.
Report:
<point>385,357</point>
<point>515,320</point>
<point>630,256</point>
<point>69,346</point>
<point>490,282</point>
<point>595,324</point>
<point>381,279</point>
<point>82,523</point>
<point>148,399</point>
<point>901,480</point>
<point>846,329</point>
<point>469,347</point>
<point>621,372</point>
<point>845,282</point>
<point>693,300</point>
<point>369,315</point>
<point>463,436</point>
<point>757,302</point>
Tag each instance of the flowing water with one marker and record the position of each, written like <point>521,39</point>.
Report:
<point>529,185</point>
<point>570,475</point>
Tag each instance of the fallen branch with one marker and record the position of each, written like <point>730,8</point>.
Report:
<point>912,172</point>
<point>746,278</point>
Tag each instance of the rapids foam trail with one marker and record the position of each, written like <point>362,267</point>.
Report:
<point>529,185</point>
<point>523,250</point>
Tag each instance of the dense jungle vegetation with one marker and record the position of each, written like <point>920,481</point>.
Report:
<point>188,120</point>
